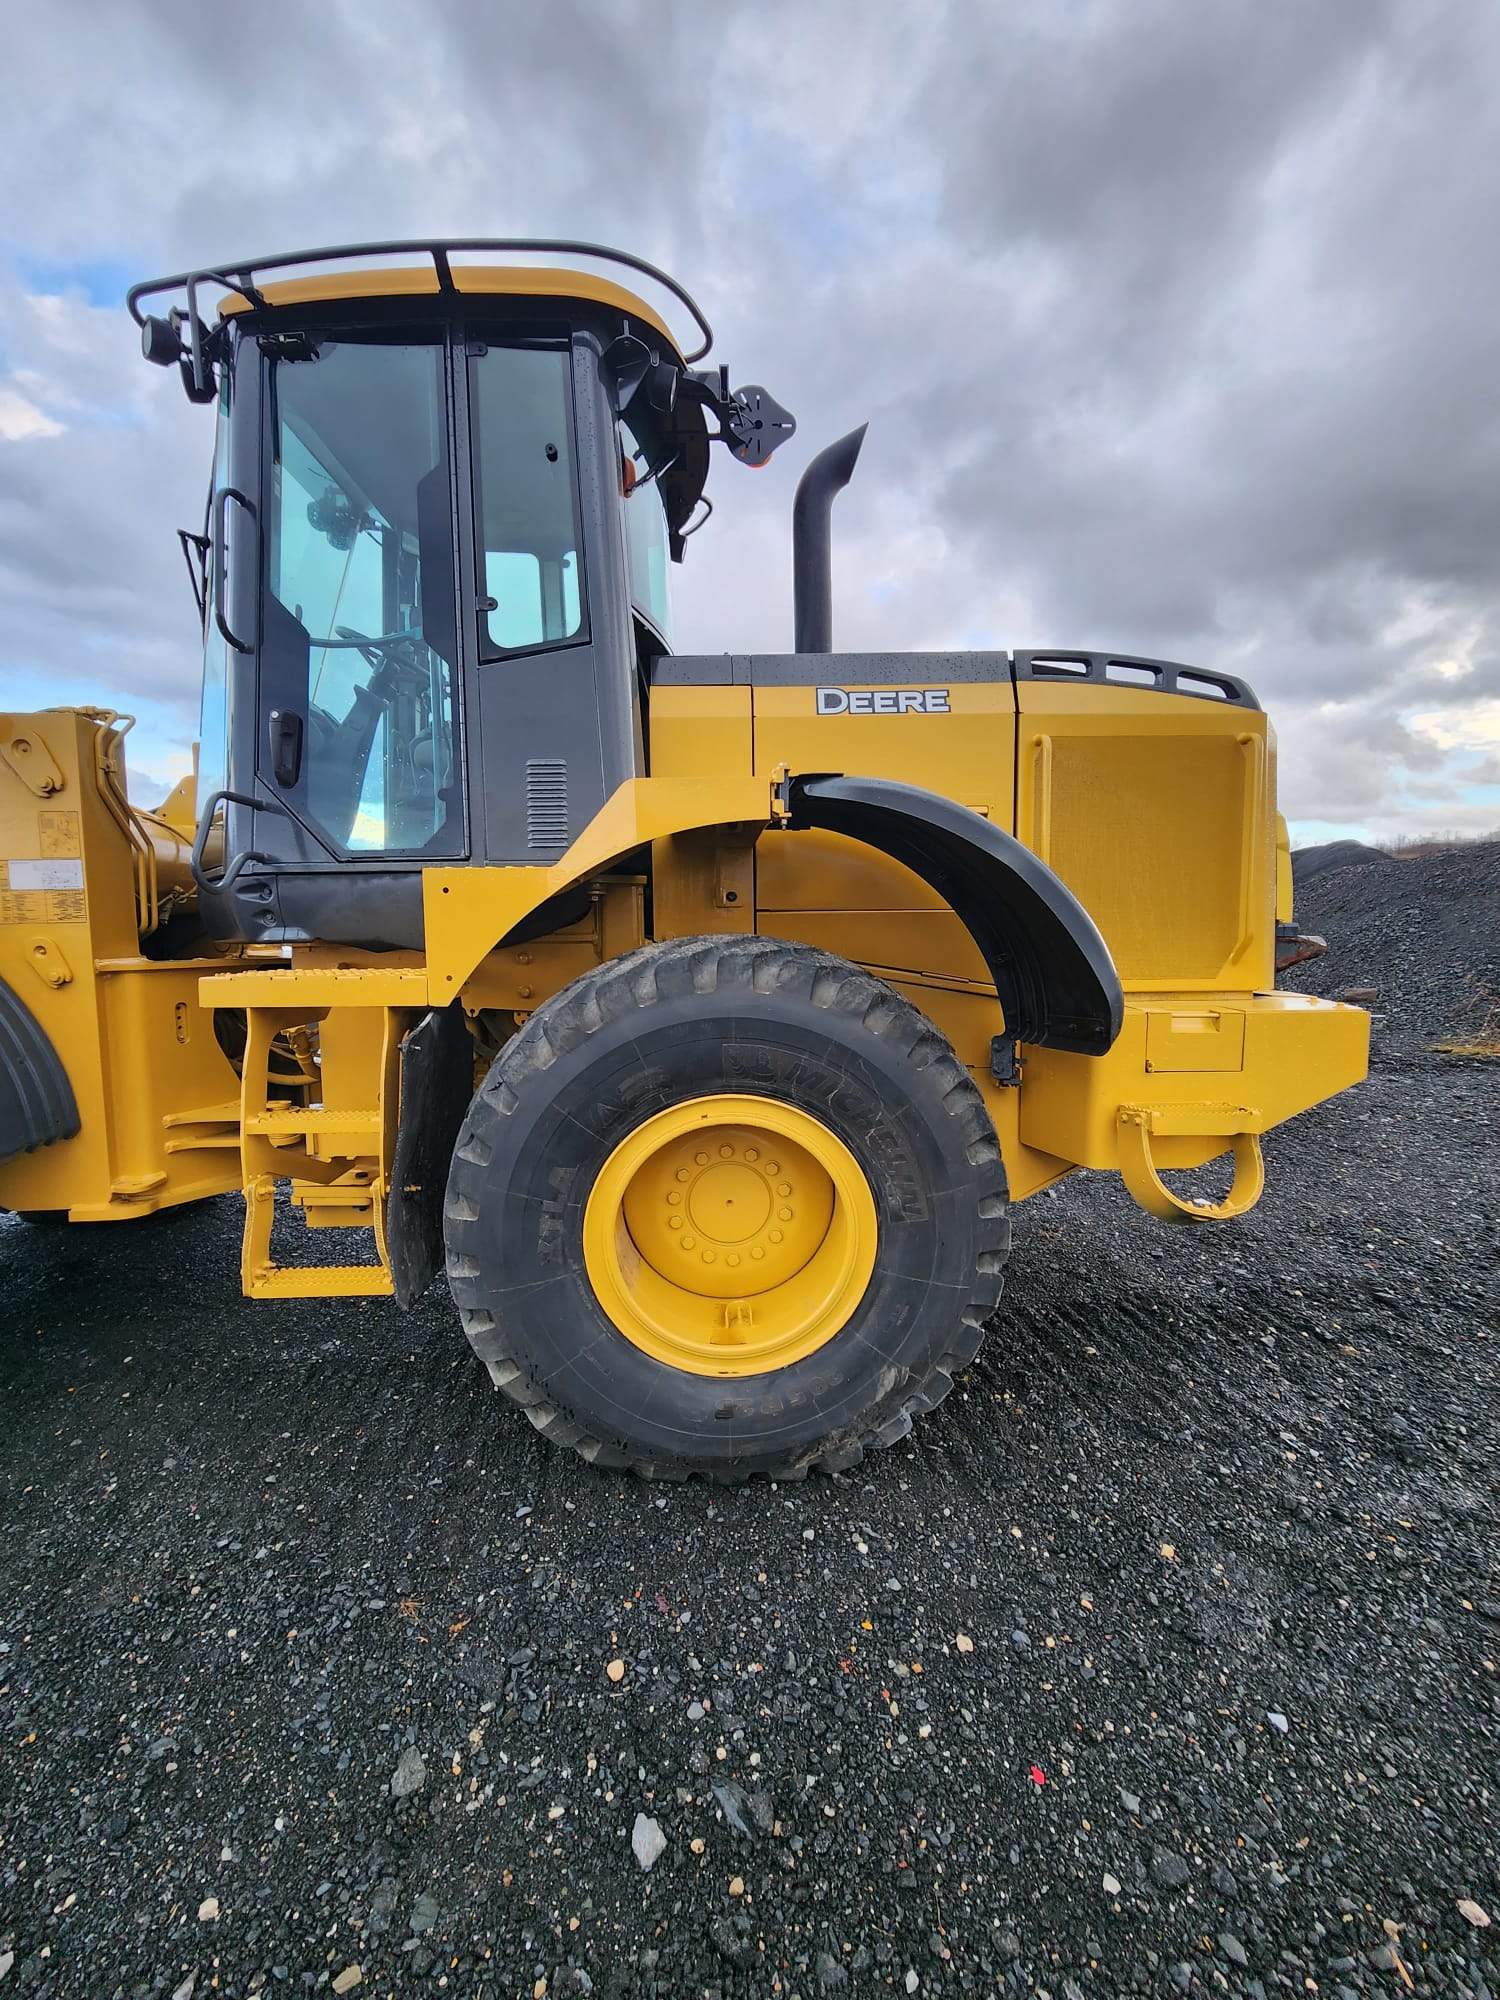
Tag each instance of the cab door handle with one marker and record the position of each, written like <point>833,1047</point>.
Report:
<point>286,747</point>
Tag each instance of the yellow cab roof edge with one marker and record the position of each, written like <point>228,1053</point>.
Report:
<point>478,280</point>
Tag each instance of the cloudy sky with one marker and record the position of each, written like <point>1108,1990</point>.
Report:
<point>1177,322</point>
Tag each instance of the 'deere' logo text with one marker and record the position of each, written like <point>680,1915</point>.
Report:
<point>882,701</point>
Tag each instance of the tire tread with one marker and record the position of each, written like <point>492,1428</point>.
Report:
<point>635,982</point>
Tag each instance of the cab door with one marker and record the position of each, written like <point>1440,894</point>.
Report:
<point>358,685</point>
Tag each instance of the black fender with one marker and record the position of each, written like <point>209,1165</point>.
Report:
<point>1052,970</point>
<point>37,1105</point>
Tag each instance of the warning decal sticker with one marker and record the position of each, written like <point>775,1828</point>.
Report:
<point>60,834</point>
<point>46,891</point>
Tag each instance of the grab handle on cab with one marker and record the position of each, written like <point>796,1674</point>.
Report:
<point>221,563</point>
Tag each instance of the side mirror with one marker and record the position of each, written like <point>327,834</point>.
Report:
<point>162,342</point>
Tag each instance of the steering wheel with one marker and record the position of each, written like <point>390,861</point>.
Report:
<point>391,654</point>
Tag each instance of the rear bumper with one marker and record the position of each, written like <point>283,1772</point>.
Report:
<point>1204,1068</point>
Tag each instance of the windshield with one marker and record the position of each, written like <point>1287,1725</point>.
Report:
<point>359,514</point>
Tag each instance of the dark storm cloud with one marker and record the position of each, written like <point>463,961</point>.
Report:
<point>282,125</point>
<point>1176,323</point>
<point>1248,400</point>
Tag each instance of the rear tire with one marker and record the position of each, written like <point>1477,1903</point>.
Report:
<point>745,1021</point>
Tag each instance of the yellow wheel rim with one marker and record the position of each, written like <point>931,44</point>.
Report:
<point>730,1235</point>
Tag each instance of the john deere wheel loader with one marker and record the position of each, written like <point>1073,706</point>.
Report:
<point>703,1015</point>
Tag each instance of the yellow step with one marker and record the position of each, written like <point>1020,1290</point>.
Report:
<point>285,987</point>
<point>297,1121</point>
<point>322,1281</point>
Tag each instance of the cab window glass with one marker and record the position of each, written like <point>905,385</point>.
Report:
<point>361,556</point>
<point>213,718</point>
<point>526,501</point>
<point>646,548</point>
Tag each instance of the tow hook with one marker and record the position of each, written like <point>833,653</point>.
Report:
<point>1230,1125</point>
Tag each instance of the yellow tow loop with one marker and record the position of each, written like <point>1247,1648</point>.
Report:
<point>1139,1172</point>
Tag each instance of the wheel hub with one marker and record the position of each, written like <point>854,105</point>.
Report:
<point>722,1189</point>
<point>730,1234</point>
<point>722,1212</point>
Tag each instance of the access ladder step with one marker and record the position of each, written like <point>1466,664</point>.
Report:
<point>322,1281</point>
<point>261,1277</point>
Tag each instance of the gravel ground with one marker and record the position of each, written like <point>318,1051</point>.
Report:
<point>1162,1659</point>
<point>1424,933</point>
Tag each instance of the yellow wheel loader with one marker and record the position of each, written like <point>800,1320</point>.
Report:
<point>701,1016</point>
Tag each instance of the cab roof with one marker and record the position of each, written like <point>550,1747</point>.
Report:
<point>495,280</point>
<point>434,269</point>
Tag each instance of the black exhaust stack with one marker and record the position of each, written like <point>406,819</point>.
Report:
<point>812,542</point>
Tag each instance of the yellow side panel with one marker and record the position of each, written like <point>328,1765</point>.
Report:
<point>814,870</point>
<point>966,754</point>
<point>844,896</point>
<point>520,977</point>
<point>1158,812</point>
<point>705,881</point>
<point>698,731</point>
<point>926,942</point>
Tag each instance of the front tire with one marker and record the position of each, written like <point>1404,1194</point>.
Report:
<point>834,1158</point>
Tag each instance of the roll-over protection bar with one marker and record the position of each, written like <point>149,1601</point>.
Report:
<point>1052,970</point>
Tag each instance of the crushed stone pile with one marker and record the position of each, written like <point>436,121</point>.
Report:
<point>1424,933</point>
<point>1310,861</point>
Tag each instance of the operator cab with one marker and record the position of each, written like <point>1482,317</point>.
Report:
<point>434,565</point>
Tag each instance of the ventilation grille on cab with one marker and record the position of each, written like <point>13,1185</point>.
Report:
<point>547,802</point>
